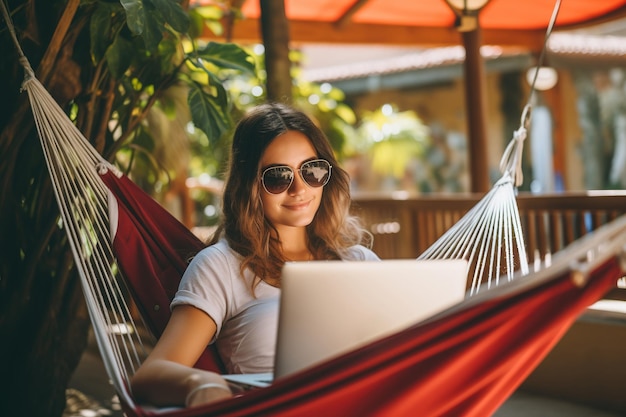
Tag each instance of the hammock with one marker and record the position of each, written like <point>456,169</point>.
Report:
<point>465,361</point>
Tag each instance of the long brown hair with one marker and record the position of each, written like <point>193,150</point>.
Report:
<point>332,231</point>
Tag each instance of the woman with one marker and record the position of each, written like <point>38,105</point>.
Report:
<point>285,199</point>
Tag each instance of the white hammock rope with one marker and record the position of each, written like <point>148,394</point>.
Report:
<point>82,198</point>
<point>511,162</point>
<point>490,236</point>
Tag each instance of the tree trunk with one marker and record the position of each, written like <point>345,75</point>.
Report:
<point>43,319</point>
<point>275,32</point>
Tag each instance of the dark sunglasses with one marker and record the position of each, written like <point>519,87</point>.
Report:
<point>277,179</point>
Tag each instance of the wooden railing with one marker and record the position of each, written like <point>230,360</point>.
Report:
<point>405,227</point>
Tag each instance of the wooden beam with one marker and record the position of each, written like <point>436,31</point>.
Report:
<point>302,32</point>
<point>347,15</point>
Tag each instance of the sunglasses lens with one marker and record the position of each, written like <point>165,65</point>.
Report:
<point>316,173</point>
<point>277,179</point>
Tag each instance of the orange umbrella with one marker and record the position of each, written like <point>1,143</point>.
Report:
<point>424,22</point>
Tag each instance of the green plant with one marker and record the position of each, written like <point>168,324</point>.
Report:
<point>146,53</point>
<point>392,139</point>
<point>124,71</point>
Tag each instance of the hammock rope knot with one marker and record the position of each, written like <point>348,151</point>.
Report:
<point>29,73</point>
<point>506,179</point>
<point>511,162</point>
<point>104,167</point>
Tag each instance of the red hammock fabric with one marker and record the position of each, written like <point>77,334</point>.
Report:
<point>465,362</point>
<point>152,248</point>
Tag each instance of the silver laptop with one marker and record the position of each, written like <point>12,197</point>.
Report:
<point>328,308</point>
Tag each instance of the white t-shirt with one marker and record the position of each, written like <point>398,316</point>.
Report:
<point>246,323</point>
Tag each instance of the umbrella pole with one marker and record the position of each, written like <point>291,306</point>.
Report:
<point>475,95</point>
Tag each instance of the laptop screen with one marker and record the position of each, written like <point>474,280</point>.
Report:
<point>331,307</point>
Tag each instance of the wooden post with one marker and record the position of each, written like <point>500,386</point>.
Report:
<point>554,98</point>
<point>475,94</point>
<point>275,33</point>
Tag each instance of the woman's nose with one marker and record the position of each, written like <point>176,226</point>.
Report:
<point>298,186</point>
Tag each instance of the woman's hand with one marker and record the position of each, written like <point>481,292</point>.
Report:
<point>167,377</point>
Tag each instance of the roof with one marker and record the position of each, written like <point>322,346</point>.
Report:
<point>366,62</point>
<point>587,46</point>
<point>409,61</point>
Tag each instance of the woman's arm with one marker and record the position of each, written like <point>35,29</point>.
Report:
<point>167,376</point>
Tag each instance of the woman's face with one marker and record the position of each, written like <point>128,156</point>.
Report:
<point>296,206</point>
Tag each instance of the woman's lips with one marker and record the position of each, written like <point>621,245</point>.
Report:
<point>298,206</point>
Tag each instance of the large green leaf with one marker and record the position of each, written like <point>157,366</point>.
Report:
<point>169,56</point>
<point>100,29</point>
<point>151,20</point>
<point>153,30</point>
<point>218,91</point>
<point>119,56</point>
<point>172,14</point>
<point>227,55</point>
<point>196,24</point>
<point>208,113</point>
<point>143,19</point>
<point>135,15</point>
